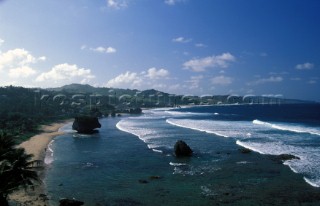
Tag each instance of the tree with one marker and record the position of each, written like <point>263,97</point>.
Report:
<point>16,170</point>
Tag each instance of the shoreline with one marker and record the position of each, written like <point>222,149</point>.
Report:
<point>37,146</point>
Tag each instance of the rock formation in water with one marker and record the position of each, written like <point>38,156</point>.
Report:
<point>69,202</point>
<point>284,157</point>
<point>86,124</point>
<point>181,149</point>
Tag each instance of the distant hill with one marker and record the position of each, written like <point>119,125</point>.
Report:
<point>85,88</point>
<point>152,97</point>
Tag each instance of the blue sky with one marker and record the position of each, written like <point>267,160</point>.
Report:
<point>240,47</point>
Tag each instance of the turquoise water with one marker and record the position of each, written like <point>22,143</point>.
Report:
<point>117,165</point>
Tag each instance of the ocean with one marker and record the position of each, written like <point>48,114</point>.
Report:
<point>131,160</point>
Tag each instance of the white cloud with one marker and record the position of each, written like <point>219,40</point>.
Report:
<point>1,41</point>
<point>66,73</point>
<point>153,73</point>
<point>220,61</point>
<point>312,82</point>
<point>272,79</point>
<point>83,47</point>
<point>117,4</point>
<point>200,45</point>
<point>221,80</point>
<point>101,49</point>
<point>18,62</point>
<point>305,66</point>
<point>173,2</point>
<point>17,67</point>
<point>126,80</point>
<point>23,71</point>
<point>152,78</point>
<point>16,57</point>
<point>181,40</point>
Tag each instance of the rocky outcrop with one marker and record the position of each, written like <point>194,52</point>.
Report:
<point>181,149</point>
<point>68,202</point>
<point>284,157</point>
<point>86,124</point>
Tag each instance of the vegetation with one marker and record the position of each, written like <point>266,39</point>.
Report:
<point>15,168</point>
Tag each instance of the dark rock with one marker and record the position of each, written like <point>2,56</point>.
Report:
<point>86,124</point>
<point>284,157</point>
<point>155,177</point>
<point>181,149</point>
<point>68,202</point>
<point>113,114</point>
<point>143,181</point>
<point>135,111</point>
<point>244,150</point>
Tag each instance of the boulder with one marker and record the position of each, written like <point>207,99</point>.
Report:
<point>69,202</point>
<point>181,149</point>
<point>86,124</point>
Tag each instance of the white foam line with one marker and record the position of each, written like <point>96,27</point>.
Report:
<point>284,128</point>
<point>242,144</point>
<point>310,182</point>
<point>156,150</point>
<point>292,169</point>
<point>150,146</point>
<point>177,164</point>
<point>49,154</point>
<point>201,130</point>
<point>122,129</point>
<point>186,113</point>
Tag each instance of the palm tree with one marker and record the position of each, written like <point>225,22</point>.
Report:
<point>15,168</point>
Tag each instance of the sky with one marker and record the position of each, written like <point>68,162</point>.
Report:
<point>191,47</point>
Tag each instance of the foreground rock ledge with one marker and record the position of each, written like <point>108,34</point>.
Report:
<point>86,124</point>
<point>181,149</point>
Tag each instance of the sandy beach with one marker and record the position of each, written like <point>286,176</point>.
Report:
<point>37,145</point>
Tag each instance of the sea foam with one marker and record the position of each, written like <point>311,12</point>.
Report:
<point>308,164</point>
<point>289,127</point>
<point>49,154</point>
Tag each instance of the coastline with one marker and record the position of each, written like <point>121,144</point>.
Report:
<point>37,146</point>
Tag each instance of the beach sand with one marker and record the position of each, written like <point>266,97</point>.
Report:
<point>37,146</point>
